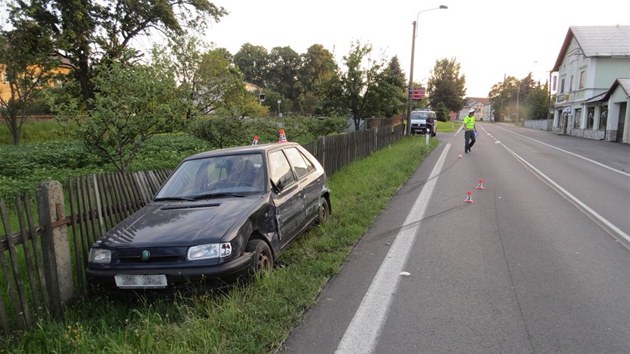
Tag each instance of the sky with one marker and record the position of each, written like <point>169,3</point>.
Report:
<point>488,38</point>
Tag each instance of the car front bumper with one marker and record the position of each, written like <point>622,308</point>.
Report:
<point>214,276</point>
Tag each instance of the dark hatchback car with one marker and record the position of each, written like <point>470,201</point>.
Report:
<point>221,215</point>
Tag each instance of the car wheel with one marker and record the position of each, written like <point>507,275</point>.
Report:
<point>263,259</point>
<point>324,210</point>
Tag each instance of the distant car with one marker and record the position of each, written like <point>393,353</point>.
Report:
<point>423,121</point>
<point>221,215</point>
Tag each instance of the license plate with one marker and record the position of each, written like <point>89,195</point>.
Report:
<point>129,281</point>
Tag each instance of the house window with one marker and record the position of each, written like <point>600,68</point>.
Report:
<point>562,86</point>
<point>603,118</point>
<point>582,79</point>
<point>571,84</point>
<point>590,117</point>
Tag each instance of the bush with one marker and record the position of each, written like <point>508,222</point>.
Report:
<point>23,167</point>
<point>224,132</point>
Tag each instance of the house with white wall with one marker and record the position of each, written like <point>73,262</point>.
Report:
<point>593,95</point>
<point>481,106</point>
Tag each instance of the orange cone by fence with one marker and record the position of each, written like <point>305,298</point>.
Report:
<point>468,197</point>
<point>255,141</point>
<point>480,184</point>
<point>283,137</point>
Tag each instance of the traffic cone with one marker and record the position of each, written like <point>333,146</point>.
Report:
<point>283,137</point>
<point>255,141</point>
<point>468,197</point>
<point>480,184</point>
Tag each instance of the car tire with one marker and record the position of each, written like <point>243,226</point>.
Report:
<point>324,211</point>
<point>263,258</point>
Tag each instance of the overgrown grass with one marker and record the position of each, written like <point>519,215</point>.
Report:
<point>254,318</point>
<point>445,127</point>
<point>34,132</point>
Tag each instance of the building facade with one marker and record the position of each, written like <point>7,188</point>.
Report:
<point>593,70</point>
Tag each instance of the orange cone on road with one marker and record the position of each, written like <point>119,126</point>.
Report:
<point>468,197</point>
<point>480,184</point>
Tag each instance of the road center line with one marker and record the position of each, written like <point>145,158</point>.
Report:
<point>361,336</point>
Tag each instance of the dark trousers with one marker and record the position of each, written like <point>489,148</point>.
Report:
<point>469,135</point>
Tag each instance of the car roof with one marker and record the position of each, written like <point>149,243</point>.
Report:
<point>246,149</point>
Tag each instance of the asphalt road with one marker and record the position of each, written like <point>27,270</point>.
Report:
<point>539,262</point>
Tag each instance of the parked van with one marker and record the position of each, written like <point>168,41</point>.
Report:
<point>423,121</point>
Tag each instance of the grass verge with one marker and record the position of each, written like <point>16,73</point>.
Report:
<point>254,318</point>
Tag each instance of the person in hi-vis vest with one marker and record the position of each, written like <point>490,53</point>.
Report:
<point>470,131</point>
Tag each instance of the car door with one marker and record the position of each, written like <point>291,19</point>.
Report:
<point>307,179</point>
<point>286,195</point>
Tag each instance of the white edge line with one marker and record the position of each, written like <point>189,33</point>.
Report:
<point>607,225</point>
<point>362,333</point>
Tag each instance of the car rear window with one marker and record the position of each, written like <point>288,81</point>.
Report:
<point>280,169</point>
<point>300,163</point>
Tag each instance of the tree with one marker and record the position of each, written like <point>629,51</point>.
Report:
<point>446,85</point>
<point>537,103</point>
<point>515,99</point>
<point>253,62</point>
<point>386,96</point>
<point>25,57</point>
<point>332,92</point>
<point>282,73</point>
<point>318,67</point>
<point>183,55</point>
<point>90,32</point>
<point>371,88</point>
<point>133,104</point>
<point>355,81</point>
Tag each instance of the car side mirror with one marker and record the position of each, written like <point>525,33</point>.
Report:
<point>277,186</point>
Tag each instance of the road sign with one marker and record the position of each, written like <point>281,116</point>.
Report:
<point>417,94</point>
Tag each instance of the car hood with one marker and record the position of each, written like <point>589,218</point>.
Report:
<point>181,223</point>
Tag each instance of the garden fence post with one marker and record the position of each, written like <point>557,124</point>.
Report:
<point>55,244</point>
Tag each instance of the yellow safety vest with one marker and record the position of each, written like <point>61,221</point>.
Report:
<point>469,122</point>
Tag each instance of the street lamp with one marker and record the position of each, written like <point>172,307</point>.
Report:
<point>413,49</point>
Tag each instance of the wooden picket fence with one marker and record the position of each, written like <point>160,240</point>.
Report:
<point>37,278</point>
<point>99,202</point>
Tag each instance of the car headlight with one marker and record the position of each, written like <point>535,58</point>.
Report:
<point>99,255</point>
<point>209,251</point>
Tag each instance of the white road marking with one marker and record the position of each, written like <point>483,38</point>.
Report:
<point>609,227</point>
<point>362,333</point>
<point>570,153</point>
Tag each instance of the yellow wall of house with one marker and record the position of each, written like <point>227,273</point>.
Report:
<point>5,90</point>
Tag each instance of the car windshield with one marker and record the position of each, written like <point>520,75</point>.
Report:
<point>419,115</point>
<point>217,176</point>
